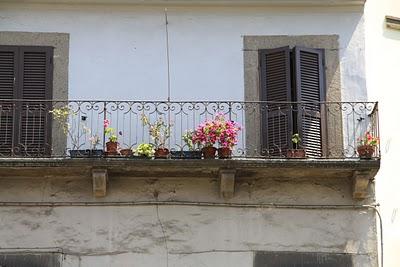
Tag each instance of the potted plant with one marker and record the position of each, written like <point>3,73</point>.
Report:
<point>206,135</point>
<point>217,130</point>
<point>62,115</point>
<point>112,144</point>
<point>296,152</point>
<point>367,145</point>
<point>227,137</point>
<point>160,132</point>
<point>193,151</point>
<point>144,151</point>
<point>127,152</point>
<point>95,141</point>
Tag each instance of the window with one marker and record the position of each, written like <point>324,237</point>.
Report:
<point>25,74</point>
<point>297,259</point>
<point>294,77</point>
<point>32,259</point>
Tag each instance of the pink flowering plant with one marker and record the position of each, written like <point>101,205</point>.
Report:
<point>368,140</point>
<point>219,130</point>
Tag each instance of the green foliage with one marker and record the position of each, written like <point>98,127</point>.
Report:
<point>146,150</point>
<point>110,132</point>
<point>187,137</point>
<point>61,116</point>
<point>296,140</point>
<point>159,131</point>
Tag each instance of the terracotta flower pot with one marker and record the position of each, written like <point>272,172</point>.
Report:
<point>209,152</point>
<point>112,148</point>
<point>296,153</point>
<point>127,152</point>
<point>224,153</point>
<point>161,153</point>
<point>365,151</point>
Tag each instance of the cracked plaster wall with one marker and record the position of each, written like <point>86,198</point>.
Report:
<point>192,235</point>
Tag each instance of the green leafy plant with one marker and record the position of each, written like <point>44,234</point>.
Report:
<point>187,138</point>
<point>296,140</point>
<point>159,130</point>
<point>62,116</point>
<point>146,150</point>
<point>110,132</point>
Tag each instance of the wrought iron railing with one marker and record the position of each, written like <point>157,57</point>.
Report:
<point>30,128</point>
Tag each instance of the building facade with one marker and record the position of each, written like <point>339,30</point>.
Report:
<point>71,70</point>
<point>380,81</point>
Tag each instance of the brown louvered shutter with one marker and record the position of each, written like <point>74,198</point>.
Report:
<point>35,75</point>
<point>277,121</point>
<point>310,91</point>
<point>8,90</point>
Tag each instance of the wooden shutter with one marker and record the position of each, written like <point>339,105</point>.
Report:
<point>35,74</point>
<point>8,90</point>
<point>310,91</point>
<point>275,82</point>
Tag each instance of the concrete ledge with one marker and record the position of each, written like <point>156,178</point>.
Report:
<point>361,172</point>
<point>246,168</point>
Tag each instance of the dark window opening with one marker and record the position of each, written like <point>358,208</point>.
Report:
<point>30,260</point>
<point>297,259</point>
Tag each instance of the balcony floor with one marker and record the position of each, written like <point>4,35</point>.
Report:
<point>247,168</point>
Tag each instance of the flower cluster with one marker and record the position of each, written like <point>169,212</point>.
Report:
<point>218,130</point>
<point>368,140</point>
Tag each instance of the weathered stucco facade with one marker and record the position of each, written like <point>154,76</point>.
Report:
<point>160,216</point>
<point>172,214</point>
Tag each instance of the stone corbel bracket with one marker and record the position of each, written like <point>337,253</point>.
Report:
<point>227,182</point>
<point>361,181</point>
<point>99,179</point>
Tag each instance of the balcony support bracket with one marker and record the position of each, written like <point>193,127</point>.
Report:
<point>227,182</point>
<point>360,184</point>
<point>100,179</point>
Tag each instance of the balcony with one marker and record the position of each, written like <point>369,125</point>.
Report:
<point>71,137</point>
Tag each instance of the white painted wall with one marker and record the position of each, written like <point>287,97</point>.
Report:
<point>383,69</point>
<point>118,52</point>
